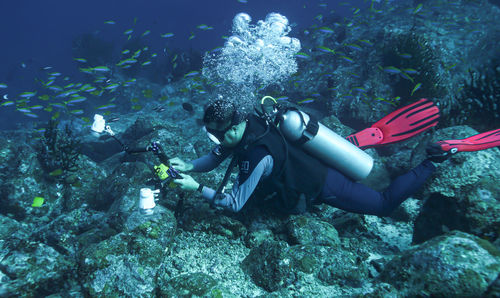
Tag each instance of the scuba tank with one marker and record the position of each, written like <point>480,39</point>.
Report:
<point>321,142</point>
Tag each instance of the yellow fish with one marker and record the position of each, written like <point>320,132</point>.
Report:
<point>37,202</point>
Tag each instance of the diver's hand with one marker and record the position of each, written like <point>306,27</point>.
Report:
<point>180,165</point>
<point>187,183</point>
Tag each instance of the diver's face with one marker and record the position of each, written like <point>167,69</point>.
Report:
<point>227,135</point>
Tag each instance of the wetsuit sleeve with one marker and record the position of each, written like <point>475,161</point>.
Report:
<point>210,161</point>
<point>243,187</point>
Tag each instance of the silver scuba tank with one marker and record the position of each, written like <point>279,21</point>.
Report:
<point>322,143</point>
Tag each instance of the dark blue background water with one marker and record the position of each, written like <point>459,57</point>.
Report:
<point>35,34</point>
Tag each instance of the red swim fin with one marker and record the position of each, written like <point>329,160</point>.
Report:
<point>477,142</point>
<point>399,125</point>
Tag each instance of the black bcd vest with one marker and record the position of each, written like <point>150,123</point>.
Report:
<point>295,172</point>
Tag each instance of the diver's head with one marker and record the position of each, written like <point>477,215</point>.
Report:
<point>224,123</point>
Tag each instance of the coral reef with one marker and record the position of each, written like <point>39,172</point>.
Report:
<point>58,153</point>
<point>479,102</point>
<point>410,50</point>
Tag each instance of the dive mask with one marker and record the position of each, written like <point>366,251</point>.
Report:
<point>216,135</point>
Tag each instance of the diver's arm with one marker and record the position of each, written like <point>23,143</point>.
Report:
<point>210,161</point>
<point>241,192</point>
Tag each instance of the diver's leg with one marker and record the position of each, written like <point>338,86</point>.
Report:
<point>341,192</point>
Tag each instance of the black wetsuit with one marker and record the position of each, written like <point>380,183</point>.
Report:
<point>338,190</point>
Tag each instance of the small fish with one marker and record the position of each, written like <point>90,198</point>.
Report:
<point>215,50</point>
<point>145,33</point>
<point>418,8</point>
<point>126,61</point>
<point>90,89</point>
<point>359,89</point>
<point>110,22</point>
<point>112,86</point>
<point>243,1</point>
<point>37,202</point>
<point>81,60</point>
<point>101,69</point>
<point>6,103</point>
<point>405,55</point>
<point>348,59</point>
<point>44,97</point>
<point>406,76</point>
<point>326,50</point>
<point>148,93</point>
<point>128,32</point>
<point>326,30</point>
<point>191,74</point>
<point>57,172</point>
<point>392,70</point>
<point>27,94</point>
<point>137,53</point>
<point>3,86</point>
<point>191,36</point>
<point>85,70</point>
<point>55,88</point>
<point>167,35</point>
<point>31,115</point>
<point>36,107</point>
<point>125,52</point>
<point>58,105</point>
<point>146,63</point>
<point>106,106</point>
<point>76,112</point>
<point>5,96</point>
<point>302,55</point>
<point>131,81</point>
<point>307,100</point>
<point>417,86</point>
<point>204,27</point>
<point>55,115</point>
<point>159,109</point>
<point>187,106</point>
<point>76,100</point>
<point>410,70</point>
<point>113,119</point>
<point>354,75</point>
<point>450,67</point>
<point>154,55</point>
<point>365,41</point>
<point>353,46</point>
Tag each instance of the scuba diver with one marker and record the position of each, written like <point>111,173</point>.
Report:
<point>317,166</point>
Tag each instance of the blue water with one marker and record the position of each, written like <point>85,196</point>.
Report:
<point>37,34</point>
